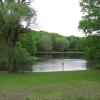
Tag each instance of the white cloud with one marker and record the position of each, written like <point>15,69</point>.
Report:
<point>59,16</point>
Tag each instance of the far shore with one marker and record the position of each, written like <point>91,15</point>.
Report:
<point>58,52</point>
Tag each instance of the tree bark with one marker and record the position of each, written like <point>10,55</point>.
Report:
<point>11,59</point>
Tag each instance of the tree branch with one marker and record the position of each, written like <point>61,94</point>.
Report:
<point>1,2</point>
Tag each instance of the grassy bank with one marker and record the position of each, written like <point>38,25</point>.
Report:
<point>78,85</point>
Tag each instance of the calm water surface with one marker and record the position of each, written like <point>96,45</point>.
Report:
<point>60,65</point>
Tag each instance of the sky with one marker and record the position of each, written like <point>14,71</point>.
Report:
<point>58,16</point>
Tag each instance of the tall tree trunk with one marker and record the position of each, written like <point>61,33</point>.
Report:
<point>11,59</point>
<point>11,51</point>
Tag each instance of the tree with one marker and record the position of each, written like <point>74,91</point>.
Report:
<point>73,41</point>
<point>12,15</point>
<point>26,41</point>
<point>61,44</point>
<point>93,47</point>
<point>81,44</point>
<point>90,22</point>
<point>45,43</point>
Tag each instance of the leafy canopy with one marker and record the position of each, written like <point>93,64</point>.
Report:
<point>12,16</point>
<point>90,22</point>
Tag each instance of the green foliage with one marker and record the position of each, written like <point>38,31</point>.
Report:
<point>23,59</point>
<point>3,55</point>
<point>45,43</point>
<point>81,44</point>
<point>41,41</point>
<point>12,15</point>
<point>3,51</point>
<point>93,65</point>
<point>90,22</point>
<point>93,47</point>
<point>73,43</point>
<point>90,53</point>
<point>26,41</point>
<point>61,44</point>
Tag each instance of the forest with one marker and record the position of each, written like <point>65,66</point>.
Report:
<point>33,42</point>
<point>19,43</point>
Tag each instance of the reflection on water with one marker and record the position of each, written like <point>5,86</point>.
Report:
<point>93,65</point>
<point>60,65</point>
<point>64,62</point>
<point>60,55</point>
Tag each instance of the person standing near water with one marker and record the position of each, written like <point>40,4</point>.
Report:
<point>62,66</point>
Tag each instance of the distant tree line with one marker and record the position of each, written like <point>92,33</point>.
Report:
<point>41,41</point>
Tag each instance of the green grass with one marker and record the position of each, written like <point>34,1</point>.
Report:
<point>74,85</point>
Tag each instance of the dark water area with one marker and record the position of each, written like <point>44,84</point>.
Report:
<point>93,65</point>
<point>48,62</point>
<point>58,55</point>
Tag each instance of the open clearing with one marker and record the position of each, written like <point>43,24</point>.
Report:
<point>74,85</point>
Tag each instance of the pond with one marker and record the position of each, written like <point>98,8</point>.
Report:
<point>51,65</point>
<point>59,62</point>
<point>71,61</point>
